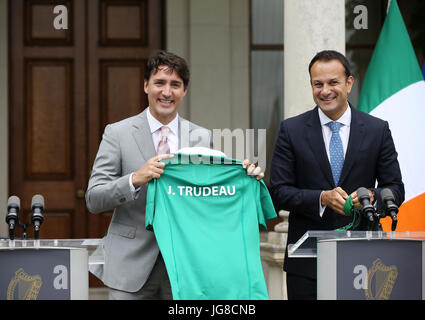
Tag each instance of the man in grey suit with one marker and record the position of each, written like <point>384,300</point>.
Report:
<point>128,158</point>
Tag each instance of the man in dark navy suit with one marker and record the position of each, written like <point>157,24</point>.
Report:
<point>322,157</point>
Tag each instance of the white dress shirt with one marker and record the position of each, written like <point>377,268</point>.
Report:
<point>344,133</point>
<point>173,136</point>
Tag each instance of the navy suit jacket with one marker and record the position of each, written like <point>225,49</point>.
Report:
<point>300,171</point>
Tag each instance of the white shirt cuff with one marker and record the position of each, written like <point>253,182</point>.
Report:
<point>321,208</point>
<point>132,188</point>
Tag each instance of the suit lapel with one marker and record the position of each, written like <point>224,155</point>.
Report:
<point>317,145</point>
<point>191,135</point>
<point>185,129</point>
<point>142,135</point>
<point>357,134</point>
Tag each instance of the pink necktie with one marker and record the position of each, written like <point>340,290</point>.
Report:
<point>163,147</point>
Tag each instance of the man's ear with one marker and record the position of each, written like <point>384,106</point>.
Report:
<point>145,86</point>
<point>350,82</point>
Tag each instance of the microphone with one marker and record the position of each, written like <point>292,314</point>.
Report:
<point>364,199</point>
<point>388,200</point>
<point>13,206</point>
<point>37,219</point>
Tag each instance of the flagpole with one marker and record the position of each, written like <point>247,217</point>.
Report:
<point>388,6</point>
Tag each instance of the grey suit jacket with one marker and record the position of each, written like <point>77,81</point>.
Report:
<point>130,250</point>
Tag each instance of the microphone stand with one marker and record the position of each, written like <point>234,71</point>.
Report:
<point>377,225</point>
<point>24,227</point>
<point>394,223</point>
<point>12,231</point>
<point>371,219</point>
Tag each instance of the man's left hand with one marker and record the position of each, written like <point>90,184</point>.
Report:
<point>253,169</point>
<point>356,201</point>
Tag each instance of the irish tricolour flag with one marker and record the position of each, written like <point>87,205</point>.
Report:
<point>394,90</point>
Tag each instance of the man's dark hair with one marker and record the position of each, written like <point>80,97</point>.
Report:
<point>172,61</point>
<point>328,55</point>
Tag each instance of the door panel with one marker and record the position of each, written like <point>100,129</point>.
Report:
<point>48,109</point>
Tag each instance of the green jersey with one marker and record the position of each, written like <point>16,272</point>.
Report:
<point>206,219</point>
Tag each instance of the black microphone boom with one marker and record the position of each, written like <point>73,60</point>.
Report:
<point>37,219</point>
<point>388,200</point>
<point>367,208</point>
<point>13,206</point>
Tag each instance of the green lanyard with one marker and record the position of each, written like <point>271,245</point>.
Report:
<point>350,210</point>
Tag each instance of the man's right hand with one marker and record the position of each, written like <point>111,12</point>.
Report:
<point>153,168</point>
<point>335,199</point>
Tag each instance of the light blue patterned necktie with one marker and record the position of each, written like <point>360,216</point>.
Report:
<point>336,151</point>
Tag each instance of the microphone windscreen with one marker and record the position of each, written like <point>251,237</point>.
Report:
<point>37,200</point>
<point>362,193</point>
<point>14,201</point>
<point>387,194</point>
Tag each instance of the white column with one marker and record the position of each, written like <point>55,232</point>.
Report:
<point>273,245</point>
<point>210,63</point>
<point>178,42</point>
<point>310,26</point>
<point>4,127</point>
<point>213,35</point>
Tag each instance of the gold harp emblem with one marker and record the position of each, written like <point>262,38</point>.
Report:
<point>28,286</point>
<point>384,278</point>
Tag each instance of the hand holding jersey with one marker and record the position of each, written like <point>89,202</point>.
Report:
<point>153,168</point>
<point>253,169</point>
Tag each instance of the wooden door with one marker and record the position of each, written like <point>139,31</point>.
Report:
<point>65,86</point>
<point>47,112</point>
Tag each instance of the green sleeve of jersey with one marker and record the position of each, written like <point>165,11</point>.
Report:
<point>150,204</point>
<point>265,206</point>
